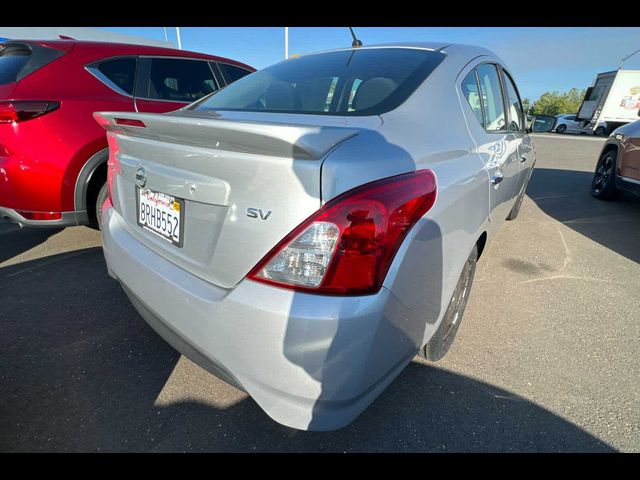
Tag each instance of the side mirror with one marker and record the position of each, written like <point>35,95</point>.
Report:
<point>542,124</point>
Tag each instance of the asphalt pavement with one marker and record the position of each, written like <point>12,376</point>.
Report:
<point>546,358</point>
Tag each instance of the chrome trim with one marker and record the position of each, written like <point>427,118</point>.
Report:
<point>629,179</point>
<point>69,219</point>
<point>92,68</point>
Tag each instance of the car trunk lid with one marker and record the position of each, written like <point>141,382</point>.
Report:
<point>220,168</point>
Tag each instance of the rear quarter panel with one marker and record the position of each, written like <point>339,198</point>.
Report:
<point>57,145</point>
<point>428,131</point>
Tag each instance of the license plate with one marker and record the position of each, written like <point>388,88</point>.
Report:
<point>161,214</point>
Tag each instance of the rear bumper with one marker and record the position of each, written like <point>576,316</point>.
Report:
<point>311,362</point>
<point>67,219</point>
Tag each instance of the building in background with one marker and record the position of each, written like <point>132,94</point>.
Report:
<point>48,33</point>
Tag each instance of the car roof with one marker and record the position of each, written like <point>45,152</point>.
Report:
<point>113,48</point>
<point>444,47</point>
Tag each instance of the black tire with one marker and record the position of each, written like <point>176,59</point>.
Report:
<point>96,219</point>
<point>603,185</point>
<point>561,129</point>
<point>599,131</point>
<point>441,341</point>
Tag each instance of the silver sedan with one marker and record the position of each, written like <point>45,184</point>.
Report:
<point>306,231</point>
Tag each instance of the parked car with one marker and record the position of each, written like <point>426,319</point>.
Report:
<point>305,251</point>
<point>52,153</point>
<point>542,123</point>
<point>570,124</point>
<point>618,167</point>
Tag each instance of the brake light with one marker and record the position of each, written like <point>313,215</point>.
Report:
<point>346,247</point>
<point>21,110</point>
<point>113,167</point>
<point>130,122</point>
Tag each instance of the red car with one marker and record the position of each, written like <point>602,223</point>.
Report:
<point>52,153</point>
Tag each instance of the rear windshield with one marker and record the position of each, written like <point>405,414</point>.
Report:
<point>11,62</point>
<point>349,82</point>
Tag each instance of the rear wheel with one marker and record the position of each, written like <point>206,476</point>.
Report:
<point>441,341</point>
<point>103,194</point>
<point>603,185</point>
<point>599,131</point>
<point>561,128</point>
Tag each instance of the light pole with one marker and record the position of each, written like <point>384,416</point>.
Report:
<point>178,34</point>
<point>286,42</point>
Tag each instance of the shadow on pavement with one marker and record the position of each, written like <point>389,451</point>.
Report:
<point>565,196</point>
<point>81,372</point>
<point>15,240</point>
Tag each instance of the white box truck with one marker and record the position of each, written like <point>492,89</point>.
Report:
<point>614,98</point>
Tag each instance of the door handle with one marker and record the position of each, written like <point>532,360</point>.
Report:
<point>523,158</point>
<point>496,179</point>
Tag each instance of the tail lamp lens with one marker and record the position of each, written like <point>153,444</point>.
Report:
<point>346,248</point>
<point>130,122</point>
<point>19,111</point>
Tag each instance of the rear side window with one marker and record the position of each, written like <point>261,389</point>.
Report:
<point>121,72</point>
<point>17,60</point>
<point>471,92</point>
<point>232,73</point>
<point>516,114</point>
<point>180,80</point>
<point>492,101</point>
<point>346,82</point>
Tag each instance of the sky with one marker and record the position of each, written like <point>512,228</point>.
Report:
<point>541,58</point>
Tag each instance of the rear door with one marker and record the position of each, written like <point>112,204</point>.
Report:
<point>630,155</point>
<point>499,145</point>
<point>516,129</point>
<point>166,84</point>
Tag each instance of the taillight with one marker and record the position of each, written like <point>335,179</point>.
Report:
<point>346,247</point>
<point>21,110</point>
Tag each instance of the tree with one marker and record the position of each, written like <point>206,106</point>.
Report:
<point>526,105</point>
<point>555,103</point>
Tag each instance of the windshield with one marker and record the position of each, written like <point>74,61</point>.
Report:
<point>349,82</point>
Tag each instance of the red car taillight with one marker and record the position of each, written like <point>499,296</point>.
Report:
<point>21,110</point>
<point>346,247</point>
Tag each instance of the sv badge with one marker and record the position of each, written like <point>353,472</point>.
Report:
<point>258,213</point>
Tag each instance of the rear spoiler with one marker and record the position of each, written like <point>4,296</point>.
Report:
<point>276,139</point>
